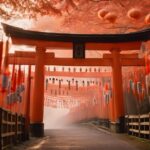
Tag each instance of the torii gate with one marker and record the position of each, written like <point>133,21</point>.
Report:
<point>115,43</point>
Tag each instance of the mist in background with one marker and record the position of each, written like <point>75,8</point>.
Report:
<point>55,118</point>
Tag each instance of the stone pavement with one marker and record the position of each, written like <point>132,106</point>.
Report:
<point>84,137</point>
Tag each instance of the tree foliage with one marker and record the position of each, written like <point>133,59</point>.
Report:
<point>32,8</point>
<point>79,15</point>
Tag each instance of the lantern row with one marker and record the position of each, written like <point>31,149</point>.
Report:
<point>133,14</point>
<point>71,69</point>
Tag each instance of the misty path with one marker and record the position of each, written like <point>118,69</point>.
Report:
<point>83,137</point>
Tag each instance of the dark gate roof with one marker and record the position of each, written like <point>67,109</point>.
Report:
<point>142,35</point>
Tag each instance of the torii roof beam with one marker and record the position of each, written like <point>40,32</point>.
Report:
<point>12,31</point>
<point>128,41</point>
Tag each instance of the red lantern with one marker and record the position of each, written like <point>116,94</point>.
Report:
<point>102,13</point>
<point>134,14</point>
<point>147,19</point>
<point>111,17</point>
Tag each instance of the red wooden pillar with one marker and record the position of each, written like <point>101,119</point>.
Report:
<point>117,103</point>
<point>37,105</point>
<point>1,52</point>
<point>4,68</point>
<point>27,104</point>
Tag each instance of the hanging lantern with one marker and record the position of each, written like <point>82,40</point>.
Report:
<point>134,14</point>
<point>111,17</point>
<point>59,83</point>
<point>88,83</point>
<point>72,80</point>
<point>63,69</point>
<point>53,80</point>
<point>76,85</point>
<point>106,87</point>
<point>147,19</point>
<point>74,69</point>
<point>83,83</point>
<point>46,84</point>
<point>69,69</point>
<point>54,69</point>
<point>102,13</point>
<point>68,84</point>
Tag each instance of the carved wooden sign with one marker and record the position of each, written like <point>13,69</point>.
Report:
<point>78,50</point>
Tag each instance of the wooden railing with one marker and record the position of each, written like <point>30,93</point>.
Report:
<point>138,125</point>
<point>12,129</point>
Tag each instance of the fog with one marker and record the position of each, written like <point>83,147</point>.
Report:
<point>54,118</point>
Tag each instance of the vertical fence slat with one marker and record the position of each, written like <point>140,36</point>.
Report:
<point>138,125</point>
<point>11,129</point>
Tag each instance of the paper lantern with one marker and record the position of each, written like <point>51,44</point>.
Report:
<point>134,14</point>
<point>59,83</point>
<point>102,13</point>
<point>63,69</point>
<point>147,19</point>
<point>111,17</point>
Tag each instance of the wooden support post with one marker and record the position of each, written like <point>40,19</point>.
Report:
<point>37,105</point>
<point>1,52</point>
<point>27,107</point>
<point>118,104</point>
<point>5,55</point>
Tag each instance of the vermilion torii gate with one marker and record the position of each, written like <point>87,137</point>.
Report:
<point>115,43</point>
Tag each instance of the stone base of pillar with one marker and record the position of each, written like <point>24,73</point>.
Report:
<point>118,127</point>
<point>37,129</point>
<point>104,123</point>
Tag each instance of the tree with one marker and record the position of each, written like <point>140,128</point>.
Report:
<point>78,15</point>
<point>32,8</point>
